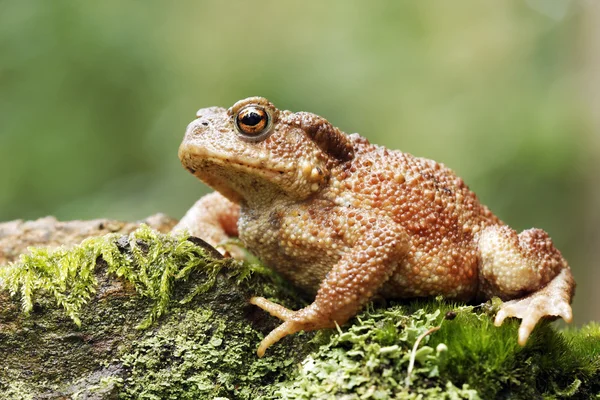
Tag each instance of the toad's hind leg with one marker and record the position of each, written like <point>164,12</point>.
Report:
<point>527,267</point>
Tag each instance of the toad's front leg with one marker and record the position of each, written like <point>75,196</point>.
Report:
<point>375,247</point>
<point>213,218</point>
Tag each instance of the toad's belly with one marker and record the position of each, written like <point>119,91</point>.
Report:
<point>449,269</point>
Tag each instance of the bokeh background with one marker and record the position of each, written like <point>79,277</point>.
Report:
<point>95,96</point>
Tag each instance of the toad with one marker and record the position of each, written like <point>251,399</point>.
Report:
<point>346,220</point>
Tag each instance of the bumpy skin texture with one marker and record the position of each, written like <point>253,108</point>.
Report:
<point>347,219</point>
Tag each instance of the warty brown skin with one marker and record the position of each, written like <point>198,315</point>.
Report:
<point>347,219</point>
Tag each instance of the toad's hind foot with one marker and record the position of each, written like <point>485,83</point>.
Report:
<point>553,300</point>
<point>274,309</point>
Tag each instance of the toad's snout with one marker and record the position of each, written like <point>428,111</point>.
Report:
<point>207,119</point>
<point>196,127</point>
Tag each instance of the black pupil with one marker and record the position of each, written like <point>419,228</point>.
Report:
<point>251,118</point>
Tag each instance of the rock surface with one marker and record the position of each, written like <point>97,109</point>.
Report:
<point>16,236</point>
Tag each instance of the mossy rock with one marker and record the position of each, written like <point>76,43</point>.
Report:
<point>151,316</point>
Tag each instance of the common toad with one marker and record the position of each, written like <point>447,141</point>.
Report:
<point>347,219</point>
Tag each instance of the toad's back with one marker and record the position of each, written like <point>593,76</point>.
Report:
<point>437,209</point>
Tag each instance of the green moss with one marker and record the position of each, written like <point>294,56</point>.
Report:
<point>552,365</point>
<point>370,358</point>
<point>152,262</point>
<point>468,357</point>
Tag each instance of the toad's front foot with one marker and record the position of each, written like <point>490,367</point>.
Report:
<point>553,300</point>
<point>307,319</point>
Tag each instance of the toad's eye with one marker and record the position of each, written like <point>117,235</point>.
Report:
<point>253,123</point>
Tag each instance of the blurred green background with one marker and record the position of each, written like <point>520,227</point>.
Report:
<point>95,97</point>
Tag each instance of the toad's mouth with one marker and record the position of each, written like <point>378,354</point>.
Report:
<point>235,178</point>
<point>194,158</point>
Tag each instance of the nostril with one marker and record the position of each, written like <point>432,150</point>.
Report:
<point>203,121</point>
